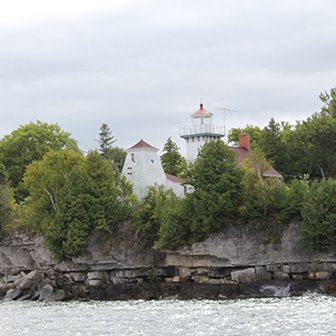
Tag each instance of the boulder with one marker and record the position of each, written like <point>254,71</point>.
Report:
<point>77,276</point>
<point>31,280</point>
<point>25,297</point>
<point>57,295</point>
<point>244,276</point>
<point>46,292</point>
<point>300,267</point>
<point>97,275</point>
<point>12,294</point>
<point>323,275</point>
<point>280,275</point>
<point>95,282</point>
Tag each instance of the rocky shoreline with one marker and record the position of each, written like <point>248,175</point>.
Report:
<point>197,283</point>
<point>235,264</point>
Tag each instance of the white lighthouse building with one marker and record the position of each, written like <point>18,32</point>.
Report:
<point>201,131</point>
<point>143,169</point>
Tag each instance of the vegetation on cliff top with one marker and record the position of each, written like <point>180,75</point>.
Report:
<point>49,186</point>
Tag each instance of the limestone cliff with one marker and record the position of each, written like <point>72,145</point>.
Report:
<point>237,262</point>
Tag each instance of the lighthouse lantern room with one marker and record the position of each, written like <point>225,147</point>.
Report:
<point>201,131</point>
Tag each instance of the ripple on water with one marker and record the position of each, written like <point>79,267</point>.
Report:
<point>290,316</point>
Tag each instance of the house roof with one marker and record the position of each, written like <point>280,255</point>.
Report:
<point>242,154</point>
<point>142,144</point>
<point>175,179</point>
<point>201,113</point>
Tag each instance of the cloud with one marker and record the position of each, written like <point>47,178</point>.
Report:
<point>143,66</point>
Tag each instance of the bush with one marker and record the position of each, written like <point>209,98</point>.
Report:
<point>318,231</point>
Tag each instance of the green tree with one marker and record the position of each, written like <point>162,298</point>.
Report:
<point>217,183</point>
<point>172,161</point>
<point>253,131</point>
<point>106,140</point>
<point>317,140</point>
<point>28,143</point>
<point>264,202</point>
<point>56,185</point>
<point>318,231</point>
<point>151,213</point>
<point>297,193</point>
<point>175,228</point>
<point>71,196</point>
<point>273,144</point>
<point>112,195</point>
<point>6,206</point>
<point>256,163</point>
<point>329,100</point>
<point>115,154</point>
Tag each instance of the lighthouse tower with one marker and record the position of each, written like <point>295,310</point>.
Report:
<point>201,131</point>
<point>143,168</point>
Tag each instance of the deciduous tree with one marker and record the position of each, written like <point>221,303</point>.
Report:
<point>28,143</point>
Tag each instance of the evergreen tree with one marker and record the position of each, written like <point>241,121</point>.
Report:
<point>106,140</point>
<point>273,145</point>
<point>115,154</point>
<point>217,183</point>
<point>318,231</point>
<point>172,161</point>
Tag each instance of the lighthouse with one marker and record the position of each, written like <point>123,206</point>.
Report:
<point>201,131</point>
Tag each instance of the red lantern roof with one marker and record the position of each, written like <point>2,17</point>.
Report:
<point>201,113</point>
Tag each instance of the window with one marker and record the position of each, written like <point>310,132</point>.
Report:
<point>132,157</point>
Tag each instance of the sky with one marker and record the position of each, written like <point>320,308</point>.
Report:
<point>143,66</point>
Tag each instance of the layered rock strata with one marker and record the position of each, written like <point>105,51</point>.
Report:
<point>235,263</point>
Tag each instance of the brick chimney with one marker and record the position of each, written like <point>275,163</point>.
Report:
<point>245,141</point>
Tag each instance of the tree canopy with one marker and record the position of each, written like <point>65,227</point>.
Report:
<point>28,143</point>
<point>172,161</point>
<point>318,231</point>
<point>72,195</point>
<point>6,206</point>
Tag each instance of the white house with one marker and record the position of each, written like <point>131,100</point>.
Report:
<point>143,168</point>
<point>201,131</point>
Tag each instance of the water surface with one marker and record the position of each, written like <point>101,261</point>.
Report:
<point>310,315</point>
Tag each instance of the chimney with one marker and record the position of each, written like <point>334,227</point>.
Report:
<point>245,141</point>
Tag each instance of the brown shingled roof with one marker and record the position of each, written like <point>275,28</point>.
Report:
<point>242,154</point>
<point>142,144</point>
<point>175,179</point>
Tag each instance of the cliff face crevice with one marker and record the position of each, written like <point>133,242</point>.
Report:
<point>237,262</point>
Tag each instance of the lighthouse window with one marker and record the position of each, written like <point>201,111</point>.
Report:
<point>192,139</point>
<point>152,160</point>
<point>132,157</point>
<point>202,121</point>
<point>198,138</point>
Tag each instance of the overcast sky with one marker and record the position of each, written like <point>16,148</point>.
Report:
<point>142,67</point>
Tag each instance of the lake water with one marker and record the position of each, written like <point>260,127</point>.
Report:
<point>307,315</point>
